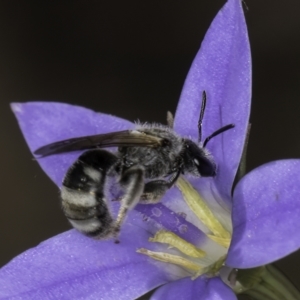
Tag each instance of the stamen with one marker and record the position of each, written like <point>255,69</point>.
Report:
<point>225,242</point>
<point>171,258</point>
<point>193,259</point>
<point>201,210</point>
<point>175,241</point>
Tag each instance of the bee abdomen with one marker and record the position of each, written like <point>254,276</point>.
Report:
<point>83,200</point>
<point>91,217</point>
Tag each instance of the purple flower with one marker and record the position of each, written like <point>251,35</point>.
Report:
<point>264,205</point>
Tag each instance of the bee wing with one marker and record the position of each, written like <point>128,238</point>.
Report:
<point>126,138</point>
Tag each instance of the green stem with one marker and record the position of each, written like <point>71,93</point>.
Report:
<point>280,280</point>
<point>256,295</point>
<point>269,291</point>
<point>267,283</point>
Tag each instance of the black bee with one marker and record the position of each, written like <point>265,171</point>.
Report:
<point>154,153</point>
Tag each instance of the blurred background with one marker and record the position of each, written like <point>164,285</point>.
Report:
<point>129,58</point>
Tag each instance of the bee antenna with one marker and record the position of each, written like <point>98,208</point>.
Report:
<point>203,105</point>
<point>217,132</point>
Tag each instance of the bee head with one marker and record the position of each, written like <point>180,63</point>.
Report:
<point>197,160</point>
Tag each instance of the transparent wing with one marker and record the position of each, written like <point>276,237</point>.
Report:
<point>126,138</point>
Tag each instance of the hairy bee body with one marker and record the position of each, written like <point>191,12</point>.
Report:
<point>159,161</point>
<point>83,199</point>
<point>147,163</point>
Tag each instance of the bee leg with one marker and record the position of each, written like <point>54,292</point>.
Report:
<point>154,190</point>
<point>133,182</point>
<point>83,199</point>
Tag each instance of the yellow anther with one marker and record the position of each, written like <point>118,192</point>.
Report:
<point>201,210</point>
<point>171,258</point>
<point>221,241</point>
<point>175,241</point>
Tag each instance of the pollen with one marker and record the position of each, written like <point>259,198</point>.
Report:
<point>174,241</point>
<point>171,258</point>
<point>225,242</point>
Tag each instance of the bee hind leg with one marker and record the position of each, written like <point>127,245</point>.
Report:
<point>133,182</point>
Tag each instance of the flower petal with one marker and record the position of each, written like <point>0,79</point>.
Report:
<point>172,220</point>
<point>72,266</point>
<point>266,214</point>
<point>222,68</point>
<point>199,289</point>
<point>46,122</point>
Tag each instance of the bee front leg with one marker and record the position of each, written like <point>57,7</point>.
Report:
<point>133,181</point>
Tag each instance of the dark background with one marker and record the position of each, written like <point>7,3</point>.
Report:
<point>129,58</point>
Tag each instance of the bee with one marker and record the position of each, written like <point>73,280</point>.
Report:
<point>148,162</point>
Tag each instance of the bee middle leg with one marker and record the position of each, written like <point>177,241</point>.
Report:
<point>154,190</point>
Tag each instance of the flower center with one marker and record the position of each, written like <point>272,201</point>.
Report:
<point>194,259</point>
